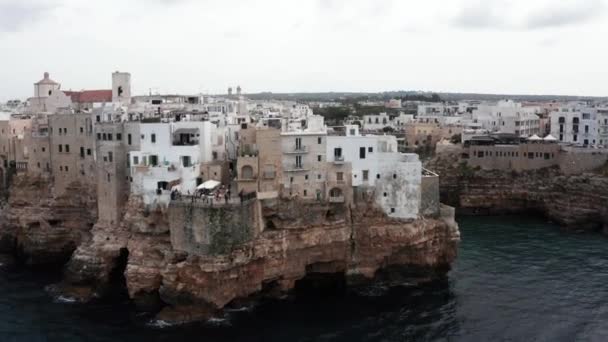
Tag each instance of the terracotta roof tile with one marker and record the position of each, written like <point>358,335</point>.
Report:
<point>90,96</point>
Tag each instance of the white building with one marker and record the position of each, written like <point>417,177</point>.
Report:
<point>580,126</point>
<point>508,117</point>
<point>376,164</point>
<point>170,154</point>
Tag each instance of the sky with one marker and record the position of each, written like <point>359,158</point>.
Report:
<point>203,46</point>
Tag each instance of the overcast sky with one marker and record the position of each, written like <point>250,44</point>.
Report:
<point>191,46</point>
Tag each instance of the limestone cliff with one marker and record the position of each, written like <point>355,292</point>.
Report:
<point>41,228</point>
<point>578,202</point>
<point>358,244</point>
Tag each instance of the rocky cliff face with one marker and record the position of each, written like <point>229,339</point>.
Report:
<point>301,242</point>
<point>41,228</point>
<point>354,245</point>
<point>578,202</point>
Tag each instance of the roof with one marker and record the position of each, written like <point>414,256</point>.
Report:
<point>90,96</point>
<point>46,80</point>
<point>534,137</point>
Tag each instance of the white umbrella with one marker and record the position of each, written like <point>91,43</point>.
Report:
<point>208,185</point>
<point>177,187</point>
<point>549,138</point>
<point>534,138</point>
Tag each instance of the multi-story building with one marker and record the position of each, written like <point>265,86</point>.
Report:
<point>391,178</point>
<point>508,117</point>
<point>170,155</point>
<point>72,150</point>
<point>583,126</point>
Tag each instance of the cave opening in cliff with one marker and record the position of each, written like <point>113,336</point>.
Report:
<point>322,279</point>
<point>118,283</point>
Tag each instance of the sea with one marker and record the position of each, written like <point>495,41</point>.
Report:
<point>516,278</point>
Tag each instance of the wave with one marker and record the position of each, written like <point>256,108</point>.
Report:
<point>65,299</point>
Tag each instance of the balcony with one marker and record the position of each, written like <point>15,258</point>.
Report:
<point>296,168</point>
<point>247,179</point>
<point>338,159</point>
<point>298,150</point>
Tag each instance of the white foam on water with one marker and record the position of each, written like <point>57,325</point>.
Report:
<point>64,299</point>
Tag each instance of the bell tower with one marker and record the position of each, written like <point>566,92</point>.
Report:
<point>121,87</point>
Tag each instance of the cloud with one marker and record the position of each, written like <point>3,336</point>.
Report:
<point>522,15</point>
<point>483,15</point>
<point>14,15</point>
<point>565,14</point>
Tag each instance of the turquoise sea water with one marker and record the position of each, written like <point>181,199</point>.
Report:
<point>516,279</point>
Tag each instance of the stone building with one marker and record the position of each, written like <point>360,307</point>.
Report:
<point>72,147</point>
<point>260,165</point>
<point>510,152</point>
<point>114,142</point>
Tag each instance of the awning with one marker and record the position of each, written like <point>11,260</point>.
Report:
<point>534,138</point>
<point>209,185</point>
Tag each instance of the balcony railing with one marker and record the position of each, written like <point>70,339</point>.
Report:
<point>298,150</point>
<point>296,168</point>
<point>338,159</point>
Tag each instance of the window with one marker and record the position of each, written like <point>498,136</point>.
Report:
<point>394,176</point>
<point>105,137</point>
<point>305,177</point>
<point>81,152</point>
<point>365,175</point>
<point>340,176</point>
<point>98,136</point>
<point>153,160</point>
<point>44,149</point>
<point>109,178</point>
<point>392,210</point>
<point>370,149</point>
<point>319,158</point>
<point>66,169</point>
<point>153,138</point>
<point>98,118</point>
<point>319,140</point>
<point>319,176</point>
<point>305,193</point>
<point>337,152</point>
<point>88,151</point>
<point>110,157</point>
<point>378,176</point>
<point>135,160</point>
<point>67,148</point>
<point>298,143</point>
<point>129,138</point>
<point>60,168</point>
<point>361,152</point>
<point>110,137</point>
<point>143,136</point>
<point>119,136</point>
<point>385,194</point>
<point>81,130</point>
<point>299,161</point>
<point>60,148</point>
<point>186,161</point>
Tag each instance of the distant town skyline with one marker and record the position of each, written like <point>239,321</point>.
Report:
<point>185,46</point>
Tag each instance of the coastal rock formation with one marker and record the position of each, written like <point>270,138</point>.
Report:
<point>41,228</point>
<point>357,245</point>
<point>578,202</point>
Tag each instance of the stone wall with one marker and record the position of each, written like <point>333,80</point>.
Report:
<point>429,202</point>
<point>579,160</point>
<point>201,229</point>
